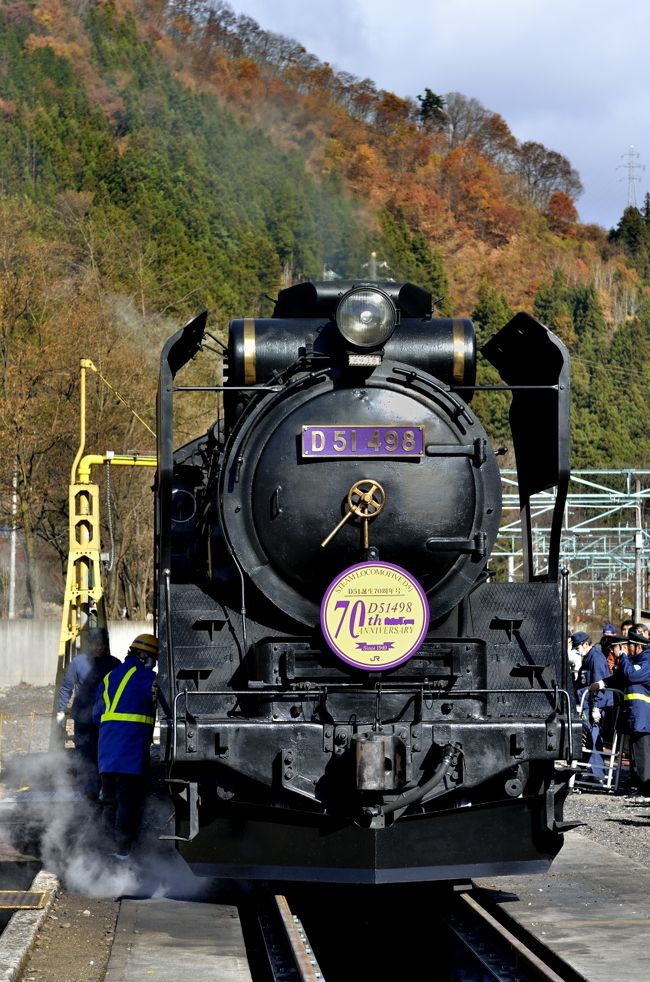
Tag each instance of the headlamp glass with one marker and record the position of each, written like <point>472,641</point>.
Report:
<point>366,317</point>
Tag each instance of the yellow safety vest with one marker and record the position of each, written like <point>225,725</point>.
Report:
<point>110,714</point>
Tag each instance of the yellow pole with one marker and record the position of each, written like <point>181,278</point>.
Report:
<point>84,363</point>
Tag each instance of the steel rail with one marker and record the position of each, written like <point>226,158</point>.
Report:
<point>499,954</point>
<point>288,951</point>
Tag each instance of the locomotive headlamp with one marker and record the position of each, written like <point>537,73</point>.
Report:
<point>366,317</point>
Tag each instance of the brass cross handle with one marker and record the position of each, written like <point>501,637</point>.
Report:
<point>366,499</point>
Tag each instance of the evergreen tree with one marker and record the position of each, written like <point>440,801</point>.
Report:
<point>551,306</point>
<point>410,258</point>
<point>432,110</point>
<point>491,313</point>
<point>587,313</point>
<point>633,235</point>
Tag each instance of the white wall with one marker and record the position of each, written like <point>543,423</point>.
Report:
<point>28,648</point>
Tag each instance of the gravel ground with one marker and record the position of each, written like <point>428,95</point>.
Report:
<point>25,721</point>
<point>74,945</point>
<point>620,822</point>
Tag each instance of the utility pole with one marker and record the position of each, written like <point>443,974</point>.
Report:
<point>638,556</point>
<point>11,608</point>
<point>631,155</point>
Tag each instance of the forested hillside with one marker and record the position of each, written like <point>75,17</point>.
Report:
<point>159,158</point>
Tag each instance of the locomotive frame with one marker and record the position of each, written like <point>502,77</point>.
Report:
<point>286,762</point>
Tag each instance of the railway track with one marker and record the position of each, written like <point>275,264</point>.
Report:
<point>463,940</point>
<point>486,950</point>
<point>257,935</point>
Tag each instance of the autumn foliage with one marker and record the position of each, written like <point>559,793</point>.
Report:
<point>160,157</point>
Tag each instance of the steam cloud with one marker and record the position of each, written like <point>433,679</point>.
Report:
<point>50,819</point>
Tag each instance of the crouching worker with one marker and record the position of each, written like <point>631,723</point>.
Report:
<point>125,709</point>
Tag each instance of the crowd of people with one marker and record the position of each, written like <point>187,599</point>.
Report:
<point>613,675</point>
<point>113,706</point>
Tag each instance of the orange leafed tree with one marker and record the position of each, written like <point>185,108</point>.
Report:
<point>561,212</point>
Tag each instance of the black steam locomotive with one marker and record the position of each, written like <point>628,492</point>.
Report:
<point>347,692</point>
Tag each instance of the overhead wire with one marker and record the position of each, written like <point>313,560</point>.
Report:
<point>123,401</point>
<point>617,371</point>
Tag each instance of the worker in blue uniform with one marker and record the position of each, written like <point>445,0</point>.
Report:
<point>633,677</point>
<point>125,709</point>
<point>82,676</point>
<point>598,706</point>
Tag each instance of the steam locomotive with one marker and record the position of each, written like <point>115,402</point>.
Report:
<point>347,691</point>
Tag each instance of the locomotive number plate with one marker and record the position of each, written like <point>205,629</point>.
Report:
<point>362,441</point>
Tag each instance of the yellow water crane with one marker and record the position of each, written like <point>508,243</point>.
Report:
<point>84,589</point>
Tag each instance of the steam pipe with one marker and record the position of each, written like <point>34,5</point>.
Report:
<point>84,363</point>
<point>416,794</point>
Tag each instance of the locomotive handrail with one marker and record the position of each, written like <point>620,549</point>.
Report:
<point>564,616</point>
<point>228,388</point>
<point>168,619</point>
<point>183,692</point>
<point>342,686</point>
<point>504,388</point>
<point>563,693</point>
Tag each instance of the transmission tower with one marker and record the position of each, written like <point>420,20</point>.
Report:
<point>631,156</point>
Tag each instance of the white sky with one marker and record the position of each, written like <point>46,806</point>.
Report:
<point>571,74</point>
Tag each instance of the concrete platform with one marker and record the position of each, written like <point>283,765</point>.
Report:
<point>168,940</point>
<point>23,927</point>
<point>592,909</point>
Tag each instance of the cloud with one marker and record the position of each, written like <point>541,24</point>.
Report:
<point>334,32</point>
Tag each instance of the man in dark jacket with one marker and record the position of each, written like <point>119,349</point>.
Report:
<point>597,709</point>
<point>594,668</point>
<point>633,677</point>
<point>125,709</point>
<point>580,645</point>
<point>82,676</point>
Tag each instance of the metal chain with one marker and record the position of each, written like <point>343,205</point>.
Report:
<point>109,564</point>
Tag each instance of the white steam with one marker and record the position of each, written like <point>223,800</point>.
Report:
<point>47,817</point>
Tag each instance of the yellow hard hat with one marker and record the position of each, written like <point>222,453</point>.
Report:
<point>146,643</point>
